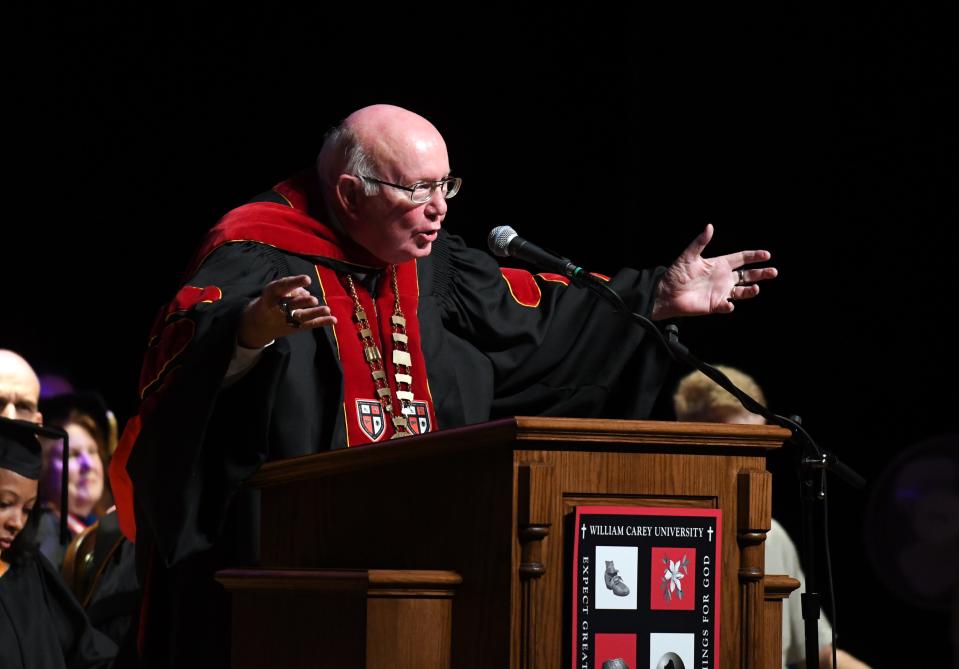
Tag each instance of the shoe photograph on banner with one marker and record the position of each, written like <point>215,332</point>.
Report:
<point>614,581</point>
<point>617,566</point>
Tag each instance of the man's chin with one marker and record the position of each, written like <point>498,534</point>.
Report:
<point>412,253</point>
<point>405,253</point>
<point>424,250</point>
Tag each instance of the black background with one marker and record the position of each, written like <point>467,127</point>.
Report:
<point>610,135</point>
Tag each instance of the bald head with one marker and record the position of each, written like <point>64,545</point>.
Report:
<point>394,137</point>
<point>19,388</point>
<point>376,141</point>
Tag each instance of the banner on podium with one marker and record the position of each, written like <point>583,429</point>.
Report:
<point>646,588</point>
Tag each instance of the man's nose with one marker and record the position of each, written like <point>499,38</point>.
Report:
<point>84,461</point>
<point>9,410</point>
<point>437,205</point>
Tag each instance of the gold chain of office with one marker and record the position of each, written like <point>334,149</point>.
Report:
<point>402,363</point>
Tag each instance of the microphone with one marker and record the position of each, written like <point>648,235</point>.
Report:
<point>504,242</point>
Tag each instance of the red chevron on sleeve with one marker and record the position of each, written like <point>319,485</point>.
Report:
<point>190,296</point>
<point>555,278</point>
<point>522,286</point>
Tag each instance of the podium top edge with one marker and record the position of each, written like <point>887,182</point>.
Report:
<point>528,433</point>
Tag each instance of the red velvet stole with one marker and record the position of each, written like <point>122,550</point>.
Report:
<point>286,229</point>
<point>366,421</point>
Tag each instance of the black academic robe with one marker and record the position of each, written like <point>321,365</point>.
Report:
<point>115,598</point>
<point>494,343</point>
<point>41,624</point>
<point>48,537</point>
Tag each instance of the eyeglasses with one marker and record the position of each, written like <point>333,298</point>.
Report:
<point>422,191</point>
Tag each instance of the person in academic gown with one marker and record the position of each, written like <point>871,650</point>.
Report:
<point>333,312</point>
<point>42,626</point>
<point>86,419</point>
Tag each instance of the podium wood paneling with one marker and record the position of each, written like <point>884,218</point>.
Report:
<point>490,502</point>
<point>347,619</point>
<point>777,588</point>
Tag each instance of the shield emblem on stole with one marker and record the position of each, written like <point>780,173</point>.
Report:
<point>369,413</point>
<point>419,420</point>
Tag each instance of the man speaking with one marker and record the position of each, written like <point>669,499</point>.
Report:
<point>334,311</point>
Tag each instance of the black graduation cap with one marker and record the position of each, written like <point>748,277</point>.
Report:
<point>19,448</point>
<point>20,452</point>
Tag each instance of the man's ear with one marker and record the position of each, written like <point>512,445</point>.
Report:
<point>348,192</point>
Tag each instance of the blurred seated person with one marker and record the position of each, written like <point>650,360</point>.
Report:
<point>88,423</point>
<point>41,624</point>
<point>699,399</point>
<point>114,592</point>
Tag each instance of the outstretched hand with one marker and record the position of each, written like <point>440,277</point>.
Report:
<point>285,306</point>
<point>694,285</point>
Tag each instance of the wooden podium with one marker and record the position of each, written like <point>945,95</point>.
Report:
<point>473,519</point>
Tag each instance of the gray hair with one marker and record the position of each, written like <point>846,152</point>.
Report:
<point>341,147</point>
